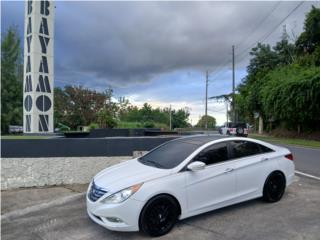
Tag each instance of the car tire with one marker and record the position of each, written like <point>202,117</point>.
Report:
<point>228,133</point>
<point>240,131</point>
<point>274,187</point>
<point>159,215</point>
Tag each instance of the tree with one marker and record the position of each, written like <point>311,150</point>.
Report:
<point>11,80</point>
<point>285,50</point>
<point>282,84</point>
<point>180,118</point>
<point>292,97</point>
<point>211,122</point>
<point>76,106</point>
<point>106,119</point>
<point>309,40</point>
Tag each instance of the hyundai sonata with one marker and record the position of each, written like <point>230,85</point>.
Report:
<point>185,177</point>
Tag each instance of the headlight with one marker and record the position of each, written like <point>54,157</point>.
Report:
<point>122,195</point>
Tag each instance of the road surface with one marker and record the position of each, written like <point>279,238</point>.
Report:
<point>307,160</point>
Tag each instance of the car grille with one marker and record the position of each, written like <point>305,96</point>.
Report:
<point>96,192</point>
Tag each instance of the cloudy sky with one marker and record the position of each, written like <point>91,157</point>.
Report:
<point>158,52</point>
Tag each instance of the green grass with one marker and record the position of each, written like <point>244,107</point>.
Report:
<point>24,137</point>
<point>123,124</point>
<point>292,141</point>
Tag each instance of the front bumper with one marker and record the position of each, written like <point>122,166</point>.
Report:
<point>128,211</point>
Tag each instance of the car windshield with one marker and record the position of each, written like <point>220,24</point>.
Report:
<point>169,155</point>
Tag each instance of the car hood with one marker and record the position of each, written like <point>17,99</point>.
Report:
<point>126,174</point>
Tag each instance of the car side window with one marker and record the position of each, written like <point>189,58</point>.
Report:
<point>213,154</point>
<point>244,149</point>
<point>265,149</point>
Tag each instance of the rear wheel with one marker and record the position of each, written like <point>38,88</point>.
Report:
<point>240,131</point>
<point>159,215</point>
<point>274,187</point>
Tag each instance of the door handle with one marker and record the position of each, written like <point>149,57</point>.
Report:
<point>264,159</point>
<point>228,170</point>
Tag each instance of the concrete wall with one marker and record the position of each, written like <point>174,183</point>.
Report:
<point>35,172</point>
<point>75,147</point>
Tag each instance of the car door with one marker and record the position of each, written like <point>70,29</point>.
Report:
<point>252,167</point>
<point>212,186</point>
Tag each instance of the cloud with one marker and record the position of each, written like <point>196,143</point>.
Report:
<point>158,51</point>
<point>129,42</point>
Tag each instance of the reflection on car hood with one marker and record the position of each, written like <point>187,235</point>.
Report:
<point>126,174</point>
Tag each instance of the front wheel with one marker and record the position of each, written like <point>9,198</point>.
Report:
<point>274,187</point>
<point>159,216</point>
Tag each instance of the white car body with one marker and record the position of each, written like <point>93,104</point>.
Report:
<point>215,186</point>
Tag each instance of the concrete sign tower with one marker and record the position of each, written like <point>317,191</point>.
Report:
<point>38,67</point>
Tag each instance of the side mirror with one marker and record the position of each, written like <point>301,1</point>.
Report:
<point>196,166</point>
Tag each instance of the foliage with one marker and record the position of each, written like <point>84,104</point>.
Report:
<point>152,117</point>
<point>148,125</point>
<point>11,80</point>
<point>283,82</point>
<point>93,126</point>
<point>62,127</point>
<point>124,124</point>
<point>78,106</point>
<point>309,40</point>
<point>292,95</point>
<point>202,122</point>
<point>106,118</point>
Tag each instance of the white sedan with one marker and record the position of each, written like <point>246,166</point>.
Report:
<point>185,177</point>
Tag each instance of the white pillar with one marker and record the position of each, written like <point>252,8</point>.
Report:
<point>38,67</point>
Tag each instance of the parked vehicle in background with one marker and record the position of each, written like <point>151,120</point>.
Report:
<point>14,129</point>
<point>235,129</point>
<point>186,177</point>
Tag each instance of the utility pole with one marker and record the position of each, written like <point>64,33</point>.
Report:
<point>227,112</point>
<point>206,108</point>
<point>233,88</point>
<point>170,118</point>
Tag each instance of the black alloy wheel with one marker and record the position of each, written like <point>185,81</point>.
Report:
<point>274,187</point>
<point>159,215</point>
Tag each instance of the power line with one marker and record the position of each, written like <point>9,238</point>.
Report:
<point>264,37</point>
<point>260,23</point>
<point>222,66</point>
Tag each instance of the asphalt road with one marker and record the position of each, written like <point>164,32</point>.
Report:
<point>307,160</point>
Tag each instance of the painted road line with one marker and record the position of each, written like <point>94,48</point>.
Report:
<point>308,175</point>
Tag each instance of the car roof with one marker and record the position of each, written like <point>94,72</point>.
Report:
<point>200,139</point>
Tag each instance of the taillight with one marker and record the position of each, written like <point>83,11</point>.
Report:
<point>289,156</point>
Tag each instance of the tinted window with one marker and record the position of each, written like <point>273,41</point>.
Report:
<point>168,155</point>
<point>213,154</point>
<point>237,125</point>
<point>265,149</point>
<point>244,149</point>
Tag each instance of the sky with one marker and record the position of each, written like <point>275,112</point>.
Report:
<point>158,52</point>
